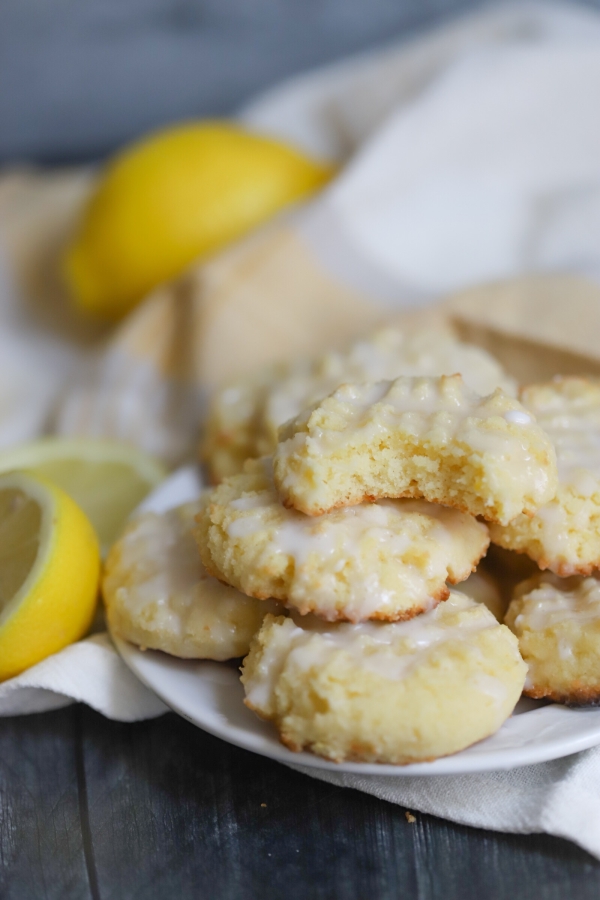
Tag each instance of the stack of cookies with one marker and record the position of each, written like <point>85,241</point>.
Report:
<point>556,613</point>
<point>327,548</point>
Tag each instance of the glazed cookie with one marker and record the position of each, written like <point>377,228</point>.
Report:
<point>557,622</point>
<point>235,429</point>
<point>387,560</point>
<point>564,535</point>
<point>244,416</point>
<point>159,596</point>
<point>391,693</point>
<point>416,437</point>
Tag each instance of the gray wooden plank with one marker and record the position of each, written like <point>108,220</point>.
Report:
<point>169,810</point>
<point>173,811</point>
<point>78,79</point>
<point>41,847</point>
<point>454,861</point>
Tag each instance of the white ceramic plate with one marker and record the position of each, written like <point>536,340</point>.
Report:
<point>210,696</point>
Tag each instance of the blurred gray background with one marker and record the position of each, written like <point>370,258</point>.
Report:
<point>79,77</point>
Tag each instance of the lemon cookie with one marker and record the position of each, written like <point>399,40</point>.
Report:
<point>416,437</point>
<point>557,622</point>
<point>386,692</point>
<point>235,428</point>
<point>564,535</point>
<point>244,416</point>
<point>387,560</point>
<point>158,594</point>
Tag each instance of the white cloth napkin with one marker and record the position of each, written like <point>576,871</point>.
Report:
<point>475,154</point>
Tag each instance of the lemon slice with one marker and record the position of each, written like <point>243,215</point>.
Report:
<point>49,571</point>
<point>107,479</point>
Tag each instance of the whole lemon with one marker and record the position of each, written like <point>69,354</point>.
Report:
<point>176,196</point>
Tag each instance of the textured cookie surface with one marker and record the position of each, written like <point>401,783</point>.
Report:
<point>245,416</point>
<point>557,622</point>
<point>386,692</point>
<point>386,560</point>
<point>416,437</point>
<point>158,594</point>
<point>564,535</point>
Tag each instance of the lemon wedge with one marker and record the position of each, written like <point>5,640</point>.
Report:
<point>49,571</point>
<point>174,197</point>
<point>107,479</point>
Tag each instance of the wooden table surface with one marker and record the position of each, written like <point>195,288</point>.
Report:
<point>91,808</point>
<point>159,810</point>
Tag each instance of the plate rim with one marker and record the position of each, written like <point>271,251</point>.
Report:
<point>185,484</point>
<point>454,764</point>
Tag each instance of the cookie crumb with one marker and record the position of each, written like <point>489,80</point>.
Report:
<point>263,805</point>
<point>409,817</point>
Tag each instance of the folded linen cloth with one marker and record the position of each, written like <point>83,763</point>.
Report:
<point>561,797</point>
<point>473,156</point>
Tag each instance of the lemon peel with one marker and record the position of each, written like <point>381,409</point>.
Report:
<point>177,196</point>
<point>49,571</point>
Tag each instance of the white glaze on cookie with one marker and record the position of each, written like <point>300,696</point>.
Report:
<point>416,437</point>
<point>557,621</point>
<point>159,595</point>
<point>387,560</point>
<point>390,650</point>
<point>386,692</point>
<point>244,417</point>
<point>564,534</point>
